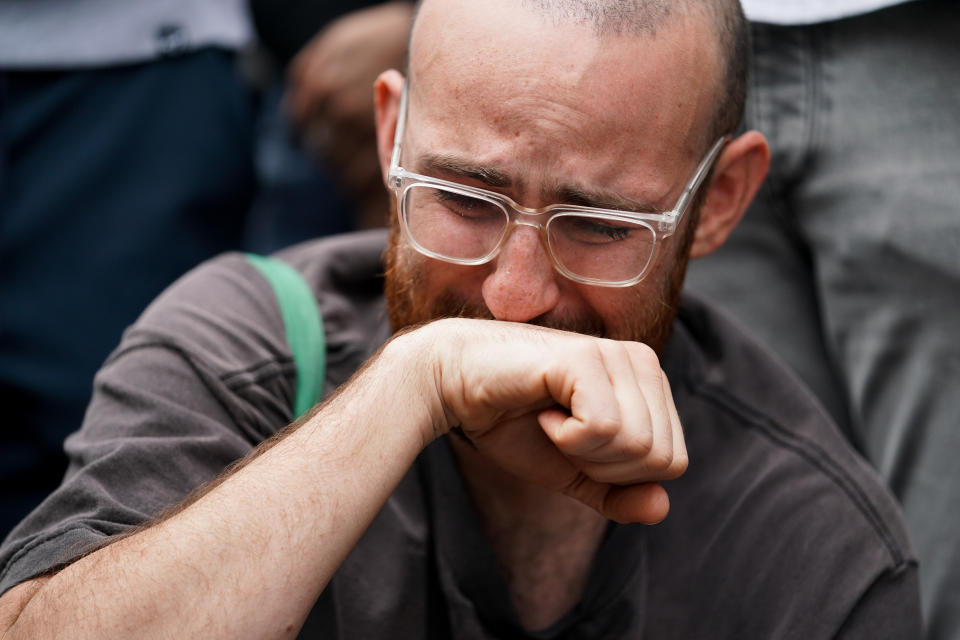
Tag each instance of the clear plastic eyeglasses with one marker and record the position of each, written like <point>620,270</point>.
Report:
<point>467,225</point>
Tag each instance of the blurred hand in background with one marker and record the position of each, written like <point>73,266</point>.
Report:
<point>330,97</point>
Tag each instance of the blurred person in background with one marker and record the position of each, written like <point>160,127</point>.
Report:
<point>131,148</point>
<point>316,156</point>
<point>848,262</point>
<point>126,137</point>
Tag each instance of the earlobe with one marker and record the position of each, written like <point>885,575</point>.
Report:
<point>386,104</point>
<point>737,177</point>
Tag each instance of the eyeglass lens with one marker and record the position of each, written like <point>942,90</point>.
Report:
<point>464,227</point>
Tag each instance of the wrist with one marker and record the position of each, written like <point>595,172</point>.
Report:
<point>415,357</point>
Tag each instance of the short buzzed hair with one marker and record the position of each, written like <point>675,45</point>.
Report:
<point>608,16</point>
<point>643,18</point>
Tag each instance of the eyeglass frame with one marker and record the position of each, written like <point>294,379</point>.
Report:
<point>667,222</point>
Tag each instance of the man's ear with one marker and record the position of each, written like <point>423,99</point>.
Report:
<point>736,178</point>
<point>386,105</point>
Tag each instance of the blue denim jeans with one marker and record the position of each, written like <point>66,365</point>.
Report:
<point>848,263</point>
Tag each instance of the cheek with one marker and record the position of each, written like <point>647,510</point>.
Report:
<point>419,289</point>
<point>642,313</point>
<point>434,278</point>
<point>619,310</point>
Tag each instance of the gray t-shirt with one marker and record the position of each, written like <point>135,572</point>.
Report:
<point>777,530</point>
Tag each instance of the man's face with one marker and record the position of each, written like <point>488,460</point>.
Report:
<point>504,99</point>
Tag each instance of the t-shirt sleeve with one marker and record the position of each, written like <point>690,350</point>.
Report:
<point>197,382</point>
<point>890,608</point>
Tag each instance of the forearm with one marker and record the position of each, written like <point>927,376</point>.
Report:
<point>250,557</point>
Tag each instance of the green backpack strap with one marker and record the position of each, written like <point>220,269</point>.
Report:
<point>303,326</point>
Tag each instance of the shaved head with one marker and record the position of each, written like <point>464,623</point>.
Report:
<point>643,18</point>
<point>571,102</point>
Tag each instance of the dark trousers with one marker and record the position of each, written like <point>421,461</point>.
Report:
<point>848,264</point>
<point>113,182</point>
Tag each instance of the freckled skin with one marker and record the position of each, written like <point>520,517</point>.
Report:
<point>543,119</point>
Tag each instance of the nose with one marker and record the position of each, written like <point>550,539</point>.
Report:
<point>523,283</point>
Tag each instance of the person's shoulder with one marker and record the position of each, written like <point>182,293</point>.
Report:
<point>346,274</point>
<point>212,311</point>
<point>775,502</point>
<point>226,309</point>
<point>350,262</point>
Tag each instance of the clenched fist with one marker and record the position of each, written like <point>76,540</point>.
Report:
<point>589,417</point>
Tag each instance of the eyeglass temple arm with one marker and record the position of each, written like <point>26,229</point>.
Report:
<point>702,170</point>
<point>398,131</point>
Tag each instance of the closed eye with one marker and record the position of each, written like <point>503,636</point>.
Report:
<point>467,206</point>
<point>593,230</point>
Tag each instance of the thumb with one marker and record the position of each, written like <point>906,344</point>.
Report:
<point>647,503</point>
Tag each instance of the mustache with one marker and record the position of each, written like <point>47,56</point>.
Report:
<point>450,305</point>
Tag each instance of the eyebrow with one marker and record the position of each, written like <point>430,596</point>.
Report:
<point>449,165</point>
<point>573,194</point>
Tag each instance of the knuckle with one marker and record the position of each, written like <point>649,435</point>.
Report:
<point>645,354</point>
<point>589,349</point>
<point>677,467</point>
<point>605,427</point>
<point>565,440</point>
<point>642,446</point>
<point>659,460</point>
<point>680,463</point>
